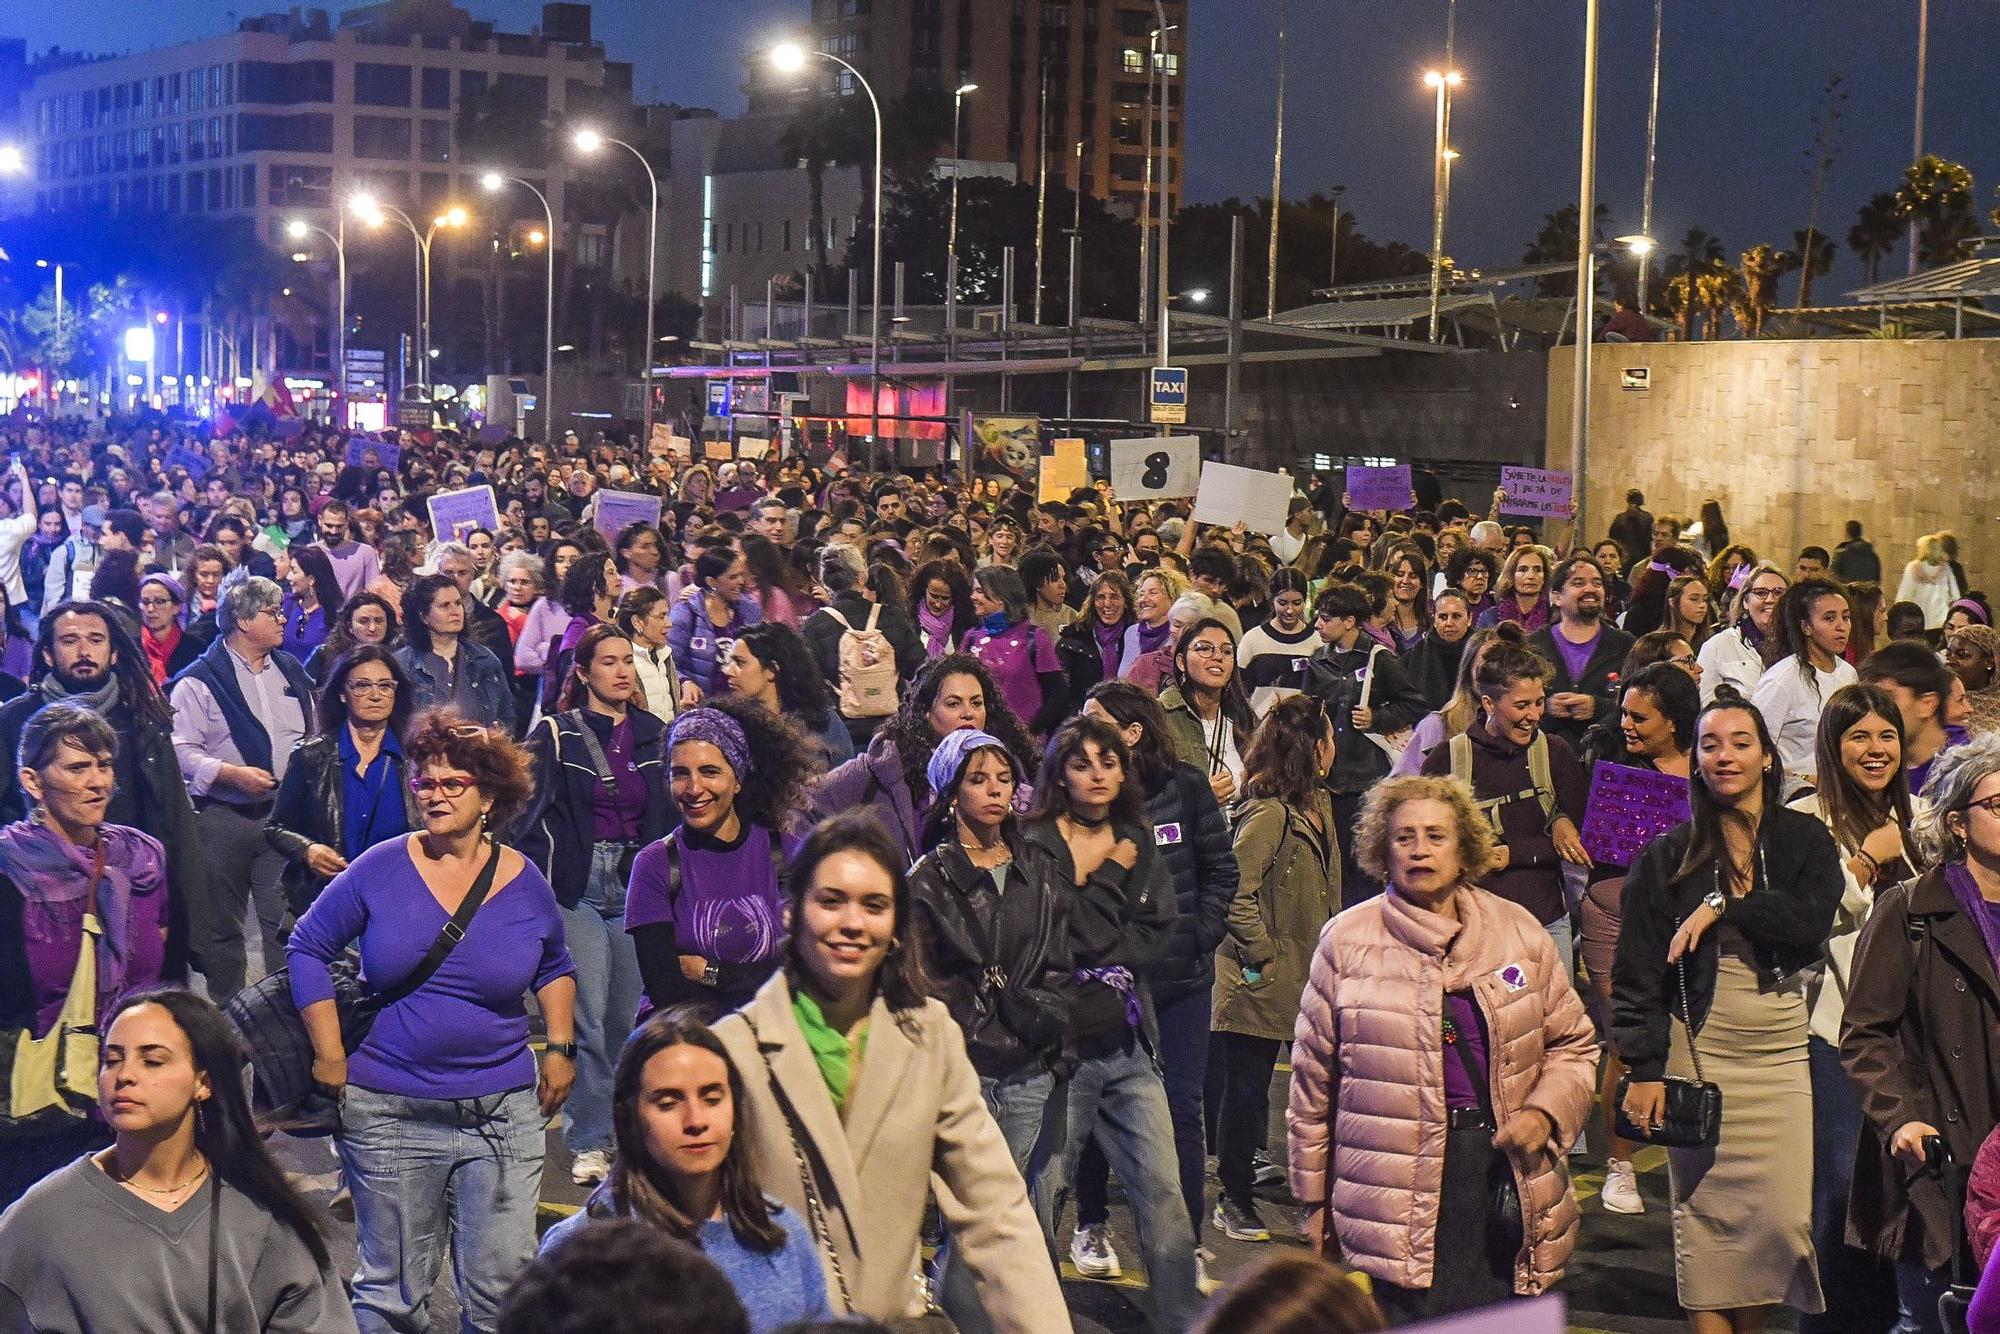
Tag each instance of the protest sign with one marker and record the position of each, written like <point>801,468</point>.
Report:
<point>681,448</point>
<point>1007,447</point>
<point>184,455</point>
<point>1064,469</point>
<point>1544,492</point>
<point>456,513</point>
<point>662,439</point>
<point>753,447</point>
<point>1371,488</point>
<point>1230,495</point>
<point>359,447</point>
<point>1628,809</point>
<point>717,451</point>
<point>1155,469</point>
<point>615,509</point>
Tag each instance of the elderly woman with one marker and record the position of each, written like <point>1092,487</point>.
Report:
<point>1973,653</point>
<point>1440,1047</point>
<point>1919,1039</point>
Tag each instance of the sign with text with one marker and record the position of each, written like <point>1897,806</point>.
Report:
<point>359,447</point>
<point>456,513</point>
<point>615,509</point>
<point>717,451</point>
<point>1543,492</point>
<point>1629,808</point>
<point>1156,468</point>
<point>1378,488</point>
<point>681,448</point>
<point>1065,468</point>
<point>1230,495</point>
<point>662,439</point>
<point>1169,395</point>
<point>753,447</point>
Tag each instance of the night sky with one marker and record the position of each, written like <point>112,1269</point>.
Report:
<point>1742,79</point>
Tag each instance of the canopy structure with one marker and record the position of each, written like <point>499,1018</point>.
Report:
<point>1954,299</point>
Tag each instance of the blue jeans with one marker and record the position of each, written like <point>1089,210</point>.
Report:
<point>1184,1045</point>
<point>607,996</point>
<point>1917,1293</point>
<point>1032,1117</point>
<point>1860,1292</point>
<point>1120,1098</point>
<point>427,1172</point>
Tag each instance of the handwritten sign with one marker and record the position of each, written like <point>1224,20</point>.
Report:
<point>681,448</point>
<point>1229,495</point>
<point>615,509</point>
<point>456,513</point>
<point>718,451</point>
<point>1544,492</point>
<point>753,447</point>
<point>1155,469</point>
<point>1370,488</point>
<point>662,440</point>
<point>1064,469</point>
<point>359,447</point>
<point>1629,808</point>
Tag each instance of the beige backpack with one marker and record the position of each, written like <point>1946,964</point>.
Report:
<point>867,669</point>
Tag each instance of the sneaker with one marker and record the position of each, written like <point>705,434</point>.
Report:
<point>1240,1222</point>
<point>1265,1173</point>
<point>590,1167</point>
<point>1621,1190</point>
<point>1202,1282</point>
<point>1090,1251</point>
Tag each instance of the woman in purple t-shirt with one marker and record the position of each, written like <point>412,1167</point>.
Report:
<point>1017,651</point>
<point>705,909</point>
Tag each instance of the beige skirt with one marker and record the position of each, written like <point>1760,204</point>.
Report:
<point>1743,1209</point>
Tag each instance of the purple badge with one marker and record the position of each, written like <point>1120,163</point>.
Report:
<point>1515,976</point>
<point>1167,834</point>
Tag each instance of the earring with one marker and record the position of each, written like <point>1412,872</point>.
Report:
<point>485,813</point>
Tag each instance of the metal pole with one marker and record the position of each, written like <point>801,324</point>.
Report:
<point>1917,138</point>
<point>548,318</point>
<point>1652,144</point>
<point>1041,196</point>
<point>875,301</point>
<point>340,303</point>
<point>1586,208</point>
<point>951,241</point>
<point>1006,324</point>
<point>1437,208</point>
<point>1277,181</point>
<point>1069,378</point>
<point>652,262</point>
<point>1445,149</point>
<point>1166,185</point>
<point>1146,188</point>
<point>1232,379</point>
<point>1333,250</point>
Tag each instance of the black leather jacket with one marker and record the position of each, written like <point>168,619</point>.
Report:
<point>310,808</point>
<point>1001,960</point>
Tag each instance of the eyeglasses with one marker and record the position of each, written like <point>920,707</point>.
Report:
<point>452,786</point>
<point>1991,805</point>
<point>1683,660</point>
<point>370,687</point>
<point>1764,594</point>
<point>1207,649</point>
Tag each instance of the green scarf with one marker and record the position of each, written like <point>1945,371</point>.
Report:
<point>836,1056</point>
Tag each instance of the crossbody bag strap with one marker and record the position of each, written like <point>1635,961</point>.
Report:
<point>214,1247</point>
<point>815,1208</point>
<point>590,745</point>
<point>1687,1017</point>
<point>453,932</point>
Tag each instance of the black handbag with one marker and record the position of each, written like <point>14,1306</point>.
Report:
<point>281,1052</point>
<point>1693,1115</point>
<point>1506,1225</point>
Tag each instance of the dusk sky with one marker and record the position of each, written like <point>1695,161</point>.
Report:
<point>1742,79</point>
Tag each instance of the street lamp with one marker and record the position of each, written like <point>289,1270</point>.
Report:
<point>790,58</point>
<point>375,214</point>
<point>493,182</point>
<point>50,379</point>
<point>590,141</point>
<point>13,161</point>
<point>299,229</point>
<point>957,165</point>
<point>1442,82</point>
<point>1586,213</point>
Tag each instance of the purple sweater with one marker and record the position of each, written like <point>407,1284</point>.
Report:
<point>464,1033</point>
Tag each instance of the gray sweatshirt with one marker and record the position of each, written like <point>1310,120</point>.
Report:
<point>80,1254</point>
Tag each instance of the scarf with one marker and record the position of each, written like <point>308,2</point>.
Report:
<point>1110,646</point>
<point>832,1052</point>
<point>48,870</point>
<point>936,629</point>
<point>101,700</point>
<point>158,650</point>
<point>1974,906</point>
<point>1153,638</point>
<point>994,622</point>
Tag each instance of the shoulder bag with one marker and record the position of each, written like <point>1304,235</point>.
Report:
<point>1392,744</point>
<point>51,1081</point>
<point>1693,1115</point>
<point>281,1052</point>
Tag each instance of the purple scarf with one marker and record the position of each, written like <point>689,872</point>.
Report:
<point>1984,915</point>
<point>1110,646</point>
<point>1153,638</point>
<point>47,869</point>
<point>937,629</point>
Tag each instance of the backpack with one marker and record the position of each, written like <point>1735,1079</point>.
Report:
<point>1544,789</point>
<point>867,668</point>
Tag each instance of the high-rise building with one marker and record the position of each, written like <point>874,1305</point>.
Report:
<point>1094,54</point>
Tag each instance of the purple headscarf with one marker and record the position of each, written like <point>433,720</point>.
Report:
<point>718,729</point>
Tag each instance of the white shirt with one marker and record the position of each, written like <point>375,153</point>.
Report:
<point>1932,587</point>
<point>1226,752</point>
<point>14,534</point>
<point>1725,657</point>
<point>1826,998</point>
<point>1285,546</point>
<point>1791,706</point>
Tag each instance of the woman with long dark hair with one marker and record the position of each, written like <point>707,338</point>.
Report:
<point>186,1221</point>
<point>680,1166</point>
<point>1688,613</point>
<point>312,603</point>
<point>1812,629</point>
<point>863,1093</point>
<point>1723,910</point>
<point>1275,652</point>
<point>542,628</point>
<point>639,555</point>
<point>777,587</point>
<point>1409,595</point>
<point>770,663</point>
<point>364,618</point>
<point>707,619</point>
<point>1208,714</point>
<point>589,592</point>
<point>942,596</point>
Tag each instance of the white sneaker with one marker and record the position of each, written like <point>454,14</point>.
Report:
<point>590,1167</point>
<point>1202,1282</point>
<point>1621,1190</point>
<point>1090,1251</point>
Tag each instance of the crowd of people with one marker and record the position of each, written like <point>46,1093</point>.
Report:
<point>863,869</point>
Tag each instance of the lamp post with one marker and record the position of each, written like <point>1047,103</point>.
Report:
<point>1166,177</point>
<point>299,229</point>
<point>493,182</point>
<point>1442,81</point>
<point>589,141</point>
<point>1277,178</point>
<point>1586,210</point>
<point>790,58</point>
<point>375,213</point>
<point>957,166</point>
<point>48,380</point>
<point>1333,248</point>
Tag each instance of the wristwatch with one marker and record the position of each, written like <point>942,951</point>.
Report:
<point>1716,901</point>
<point>711,975</point>
<point>560,1049</point>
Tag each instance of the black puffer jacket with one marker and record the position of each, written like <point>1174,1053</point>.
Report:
<point>1001,960</point>
<point>1192,834</point>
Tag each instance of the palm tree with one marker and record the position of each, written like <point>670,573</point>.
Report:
<point>1698,252</point>
<point>1936,194</point>
<point>1680,304</point>
<point>1762,265</point>
<point>1555,243</point>
<point>1874,234</point>
<point>1817,244</point>
<point>1719,289</point>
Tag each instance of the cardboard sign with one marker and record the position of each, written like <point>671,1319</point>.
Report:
<point>753,447</point>
<point>717,451</point>
<point>359,447</point>
<point>615,509</point>
<point>681,448</point>
<point>1629,808</point>
<point>1543,492</point>
<point>662,439</point>
<point>1379,488</point>
<point>456,513</point>
<point>1156,469</point>
<point>1256,499</point>
<point>1064,469</point>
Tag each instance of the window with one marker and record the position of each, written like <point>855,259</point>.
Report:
<point>384,138</point>
<point>524,91</point>
<point>434,140</point>
<point>288,84</point>
<point>311,133</point>
<point>437,89</point>
<point>593,248</point>
<point>1133,60</point>
<point>381,85</point>
<point>472,85</point>
<point>788,234</point>
<point>294,184</point>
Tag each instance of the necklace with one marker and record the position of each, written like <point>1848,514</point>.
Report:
<point>124,1180</point>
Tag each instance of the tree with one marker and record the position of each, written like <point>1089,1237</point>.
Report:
<point>1762,266</point>
<point>1556,243</point>
<point>1719,289</point>
<point>1698,253</point>
<point>1874,234</point>
<point>1936,194</point>
<point>1820,246</point>
<point>827,130</point>
<point>1824,151</point>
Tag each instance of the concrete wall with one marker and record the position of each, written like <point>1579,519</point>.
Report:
<point>1795,437</point>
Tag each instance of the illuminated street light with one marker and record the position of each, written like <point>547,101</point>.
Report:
<point>788,57</point>
<point>493,182</point>
<point>12,160</point>
<point>1441,82</point>
<point>298,229</point>
<point>1639,246</point>
<point>588,140</point>
<point>537,236</point>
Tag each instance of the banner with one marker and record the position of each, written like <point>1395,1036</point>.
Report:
<point>1543,492</point>
<point>1155,469</point>
<point>1629,808</point>
<point>1379,488</point>
<point>1259,500</point>
<point>359,447</point>
<point>1065,468</point>
<point>1007,447</point>
<point>615,509</point>
<point>455,513</point>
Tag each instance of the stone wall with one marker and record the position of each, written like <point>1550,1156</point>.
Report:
<point>1796,437</point>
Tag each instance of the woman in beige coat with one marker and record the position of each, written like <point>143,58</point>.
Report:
<point>858,1094</point>
<point>1396,1147</point>
<point>1288,864</point>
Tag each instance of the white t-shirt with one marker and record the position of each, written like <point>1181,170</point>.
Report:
<point>1791,707</point>
<point>1225,751</point>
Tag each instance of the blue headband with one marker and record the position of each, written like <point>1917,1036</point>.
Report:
<point>948,760</point>
<point>718,729</point>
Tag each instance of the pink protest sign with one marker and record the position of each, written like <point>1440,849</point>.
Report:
<point>1543,492</point>
<point>1629,808</point>
<point>1370,488</point>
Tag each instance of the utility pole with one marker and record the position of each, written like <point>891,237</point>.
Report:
<point>1586,256</point>
<point>1652,145</point>
<point>1277,179</point>
<point>1041,195</point>
<point>1333,249</point>
<point>1917,139</point>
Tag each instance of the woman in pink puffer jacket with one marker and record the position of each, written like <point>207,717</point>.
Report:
<point>1411,995</point>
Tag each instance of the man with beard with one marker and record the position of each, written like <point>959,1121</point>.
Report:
<point>84,657</point>
<point>355,564</point>
<point>1585,652</point>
